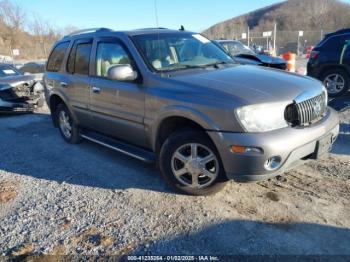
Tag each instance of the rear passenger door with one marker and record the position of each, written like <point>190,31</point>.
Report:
<point>117,107</point>
<point>77,80</point>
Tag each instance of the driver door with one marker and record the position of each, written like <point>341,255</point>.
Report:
<point>117,107</point>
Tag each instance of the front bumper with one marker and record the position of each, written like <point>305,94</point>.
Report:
<point>291,144</point>
<point>19,106</point>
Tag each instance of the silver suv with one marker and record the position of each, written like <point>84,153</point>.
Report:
<point>175,98</point>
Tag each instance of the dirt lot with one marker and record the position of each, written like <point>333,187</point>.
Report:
<point>57,198</point>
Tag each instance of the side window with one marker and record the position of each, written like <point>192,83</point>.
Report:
<point>56,58</point>
<point>335,43</point>
<point>79,59</point>
<point>109,54</point>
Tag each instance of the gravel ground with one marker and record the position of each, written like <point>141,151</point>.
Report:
<point>61,199</point>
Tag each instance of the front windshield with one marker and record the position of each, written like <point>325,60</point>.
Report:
<point>8,71</point>
<point>236,48</point>
<point>177,51</point>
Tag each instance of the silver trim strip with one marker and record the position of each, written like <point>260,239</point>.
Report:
<point>114,148</point>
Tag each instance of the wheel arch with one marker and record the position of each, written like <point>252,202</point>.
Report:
<point>329,67</point>
<point>54,100</point>
<point>176,119</point>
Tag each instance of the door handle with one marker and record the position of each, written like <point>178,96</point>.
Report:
<point>96,90</point>
<point>64,84</point>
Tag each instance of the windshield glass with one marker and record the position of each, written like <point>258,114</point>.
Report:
<point>8,71</point>
<point>168,52</point>
<point>236,48</point>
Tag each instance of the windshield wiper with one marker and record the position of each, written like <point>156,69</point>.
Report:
<point>184,66</point>
<point>181,67</point>
<point>215,64</point>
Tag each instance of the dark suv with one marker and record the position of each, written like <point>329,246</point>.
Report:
<point>176,98</point>
<point>330,62</point>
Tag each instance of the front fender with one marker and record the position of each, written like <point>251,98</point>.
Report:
<point>179,111</point>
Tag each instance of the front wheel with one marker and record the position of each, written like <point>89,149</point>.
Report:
<point>191,164</point>
<point>336,81</point>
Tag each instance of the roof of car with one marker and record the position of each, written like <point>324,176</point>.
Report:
<point>98,31</point>
<point>339,32</point>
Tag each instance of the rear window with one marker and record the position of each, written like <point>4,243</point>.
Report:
<point>8,71</point>
<point>56,58</point>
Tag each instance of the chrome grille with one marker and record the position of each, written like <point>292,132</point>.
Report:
<point>307,111</point>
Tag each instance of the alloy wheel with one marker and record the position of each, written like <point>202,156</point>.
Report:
<point>334,83</point>
<point>195,165</point>
<point>65,124</point>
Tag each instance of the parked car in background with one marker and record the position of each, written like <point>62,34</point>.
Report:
<point>244,55</point>
<point>19,92</point>
<point>308,51</point>
<point>33,68</point>
<point>176,98</point>
<point>330,62</point>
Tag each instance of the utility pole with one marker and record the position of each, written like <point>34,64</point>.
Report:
<point>248,37</point>
<point>298,46</point>
<point>274,39</point>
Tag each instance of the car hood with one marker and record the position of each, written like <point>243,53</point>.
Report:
<point>250,84</point>
<point>265,59</point>
<point>11,81</point>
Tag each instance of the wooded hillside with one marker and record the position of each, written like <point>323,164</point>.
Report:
<point>292,15</point>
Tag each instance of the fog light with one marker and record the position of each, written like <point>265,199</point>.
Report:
<point>273,163</point>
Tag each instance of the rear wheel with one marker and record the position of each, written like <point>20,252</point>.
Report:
<point>190,163</point>
<point>67,126</point>
<point>336,81</point>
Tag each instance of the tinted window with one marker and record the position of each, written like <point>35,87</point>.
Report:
<point>56,58</point>
<point>79,59</point>
<point>109,54</point>
<point>335,43</point>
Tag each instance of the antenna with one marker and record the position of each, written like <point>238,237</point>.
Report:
<point>156,13</point>
<point>157,26</point>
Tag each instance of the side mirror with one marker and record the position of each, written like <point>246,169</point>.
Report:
<point>121,73</point>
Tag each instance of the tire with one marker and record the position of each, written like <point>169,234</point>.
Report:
<point>69,130</point>
<point>333,76</point>
<point>180,145</point>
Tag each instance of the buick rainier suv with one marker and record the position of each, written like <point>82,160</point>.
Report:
<point>176,99</point>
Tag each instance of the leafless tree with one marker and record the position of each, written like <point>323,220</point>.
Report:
<point>14,18</point>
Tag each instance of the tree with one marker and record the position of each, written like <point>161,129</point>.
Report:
<point>14,18</point>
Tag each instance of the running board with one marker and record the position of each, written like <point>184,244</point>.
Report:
<point>119,146</point>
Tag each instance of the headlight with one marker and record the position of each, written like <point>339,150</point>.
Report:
<point>262,117</point>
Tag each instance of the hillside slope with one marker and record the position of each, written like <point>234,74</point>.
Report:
<point>292,15</point>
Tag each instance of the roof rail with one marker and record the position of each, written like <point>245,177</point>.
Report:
<point>89,30</point>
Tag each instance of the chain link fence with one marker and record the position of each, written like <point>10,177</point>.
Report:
<point>280,42</point>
